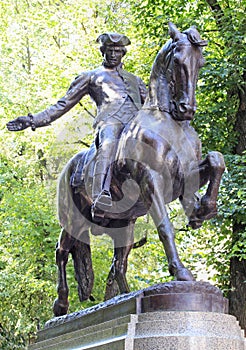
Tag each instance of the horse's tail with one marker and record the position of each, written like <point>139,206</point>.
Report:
<point>69,215</point>
<point>84,275</point>
<point>74,223</point>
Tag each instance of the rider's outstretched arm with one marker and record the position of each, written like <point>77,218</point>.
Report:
<point>78,89</point>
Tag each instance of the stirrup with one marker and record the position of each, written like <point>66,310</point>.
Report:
<point>97,215</point>
<point>103,201</point>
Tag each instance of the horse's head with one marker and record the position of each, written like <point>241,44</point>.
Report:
<point>175,72</point>
<point>182,72</point>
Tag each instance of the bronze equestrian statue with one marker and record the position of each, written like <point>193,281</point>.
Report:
<point>157,161</point>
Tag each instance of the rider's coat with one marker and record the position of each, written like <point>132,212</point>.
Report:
<point>109,88</point>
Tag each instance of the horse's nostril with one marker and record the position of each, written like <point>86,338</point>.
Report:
<point>183,107</point>
<point>187,108</point>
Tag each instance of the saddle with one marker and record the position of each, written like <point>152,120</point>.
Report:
<point>84,167</point>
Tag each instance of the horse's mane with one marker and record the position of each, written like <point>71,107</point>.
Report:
<point>158,96</point>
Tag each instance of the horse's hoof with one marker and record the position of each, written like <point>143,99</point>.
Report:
<point>60,309</point>
<point>195,223</point>
<point>184,274</point>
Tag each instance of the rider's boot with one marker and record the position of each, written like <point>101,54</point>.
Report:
<point>101,197</point>
<point>100,193</point>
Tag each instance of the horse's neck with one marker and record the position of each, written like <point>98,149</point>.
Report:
<point>159,89</point>
<point>158,96</point>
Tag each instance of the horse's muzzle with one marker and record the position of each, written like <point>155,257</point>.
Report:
<point>183,111</point>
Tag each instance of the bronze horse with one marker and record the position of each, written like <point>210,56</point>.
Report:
<point>158,161</point>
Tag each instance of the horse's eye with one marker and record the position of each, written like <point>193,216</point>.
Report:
<point>176,59</point>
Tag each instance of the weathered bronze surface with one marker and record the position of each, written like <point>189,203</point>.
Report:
<point>158,159</point>
<point>183,296</point>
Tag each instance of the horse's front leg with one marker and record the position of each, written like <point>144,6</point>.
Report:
<point>123,243</point>
<point>63,249</point>
<point>167,237</point>
<point>210,171</point>
<point>165,228</point>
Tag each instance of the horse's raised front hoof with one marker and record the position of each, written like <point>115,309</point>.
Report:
<point>195,223</point>
<point>60,309</point>
<point>208,207</point>
<point>184,274</point>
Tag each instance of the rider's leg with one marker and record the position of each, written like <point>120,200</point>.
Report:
<point>108,140</point>
<point>99,195</point>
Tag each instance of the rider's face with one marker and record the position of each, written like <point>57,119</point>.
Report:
<point>113,55</point>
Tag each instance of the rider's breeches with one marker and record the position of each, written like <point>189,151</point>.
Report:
<point>108,136</point>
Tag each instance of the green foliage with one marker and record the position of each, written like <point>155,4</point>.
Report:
<point>28,232</point>
<point>232,201</point>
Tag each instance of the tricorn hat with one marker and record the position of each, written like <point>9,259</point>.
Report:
<point>113,39</point>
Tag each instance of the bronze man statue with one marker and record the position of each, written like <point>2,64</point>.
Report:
<point>118,95</point>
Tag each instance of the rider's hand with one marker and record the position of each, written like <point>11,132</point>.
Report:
<point>19,123</point>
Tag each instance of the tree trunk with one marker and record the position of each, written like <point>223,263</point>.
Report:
<point>240,126</point>
<point>237,295</point>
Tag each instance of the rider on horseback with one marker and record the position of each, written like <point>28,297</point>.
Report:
<point>118,95</point>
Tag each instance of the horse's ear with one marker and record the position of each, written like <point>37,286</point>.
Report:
<point>194,37</point>
<point>173,31</point>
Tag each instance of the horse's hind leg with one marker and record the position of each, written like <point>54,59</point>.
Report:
<point>123,243</point>
<point>63,249</point>
<point>81,253</point>
<point>116,281</point>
